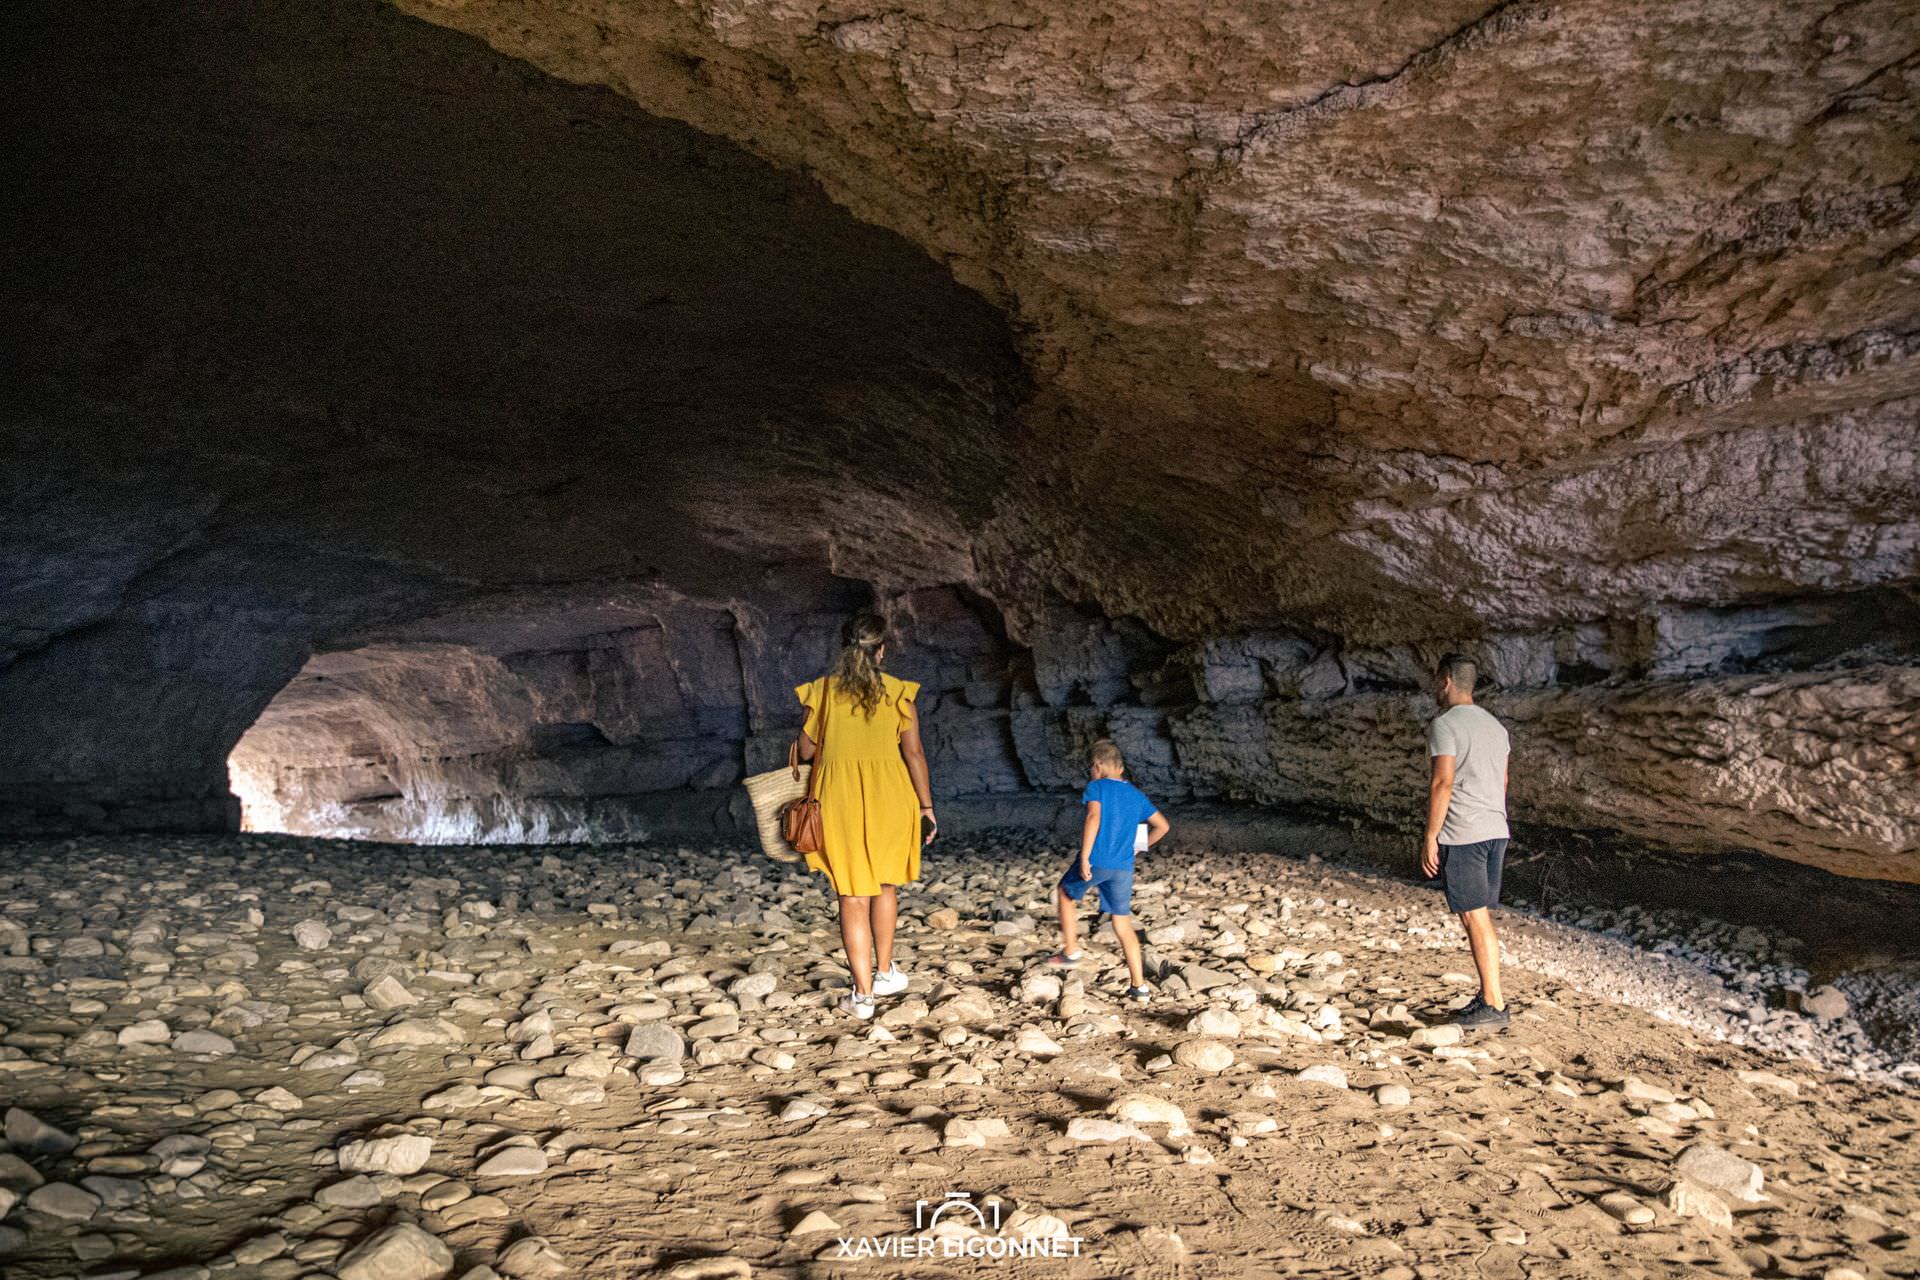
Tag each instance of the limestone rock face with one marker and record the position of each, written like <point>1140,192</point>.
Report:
<point>1498,313</point>
<point>482,453</point>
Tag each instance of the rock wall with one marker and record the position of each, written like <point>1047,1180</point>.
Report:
<point>486,439</point>
<point>639,731</point>
<point>1702,736</point>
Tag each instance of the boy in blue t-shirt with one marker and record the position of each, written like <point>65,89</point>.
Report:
<point>1115,811</point>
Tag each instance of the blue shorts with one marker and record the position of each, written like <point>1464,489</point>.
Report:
<point>1471,874</point>
<point>1114,883</point>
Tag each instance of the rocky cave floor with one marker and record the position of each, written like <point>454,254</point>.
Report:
<point>287,1058</point>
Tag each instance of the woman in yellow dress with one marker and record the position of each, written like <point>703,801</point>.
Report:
<point>871,781</point>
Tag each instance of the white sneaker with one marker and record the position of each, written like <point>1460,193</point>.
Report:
<point>890,983</point>
<point>857,1005</point>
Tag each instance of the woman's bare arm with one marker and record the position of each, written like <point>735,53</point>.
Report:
<point>916,757</point>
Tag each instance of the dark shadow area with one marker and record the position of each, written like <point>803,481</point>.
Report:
<point>322,319</point>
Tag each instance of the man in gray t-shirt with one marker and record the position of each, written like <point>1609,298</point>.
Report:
<point>1466,838</point>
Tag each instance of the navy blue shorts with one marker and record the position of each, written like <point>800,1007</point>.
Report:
<point>1471,874</point>
<point>1114,883</point>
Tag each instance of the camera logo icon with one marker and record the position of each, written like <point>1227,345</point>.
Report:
<point>927,1214</point>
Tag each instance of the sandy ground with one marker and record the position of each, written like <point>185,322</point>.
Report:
<point>653,1031</point>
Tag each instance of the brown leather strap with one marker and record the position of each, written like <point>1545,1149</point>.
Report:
<point>793,748</point>
<point>819,743</point>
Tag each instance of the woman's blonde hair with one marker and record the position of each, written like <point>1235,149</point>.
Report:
<point>857,671</point>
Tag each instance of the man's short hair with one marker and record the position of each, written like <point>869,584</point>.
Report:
<point>1104,752</point>
<point>1462,669</point>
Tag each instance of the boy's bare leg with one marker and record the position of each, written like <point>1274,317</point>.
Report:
<point>1486,954</point>
<point>856,935</point>
<point>886,911</point>
<point>1130,947</point>
<point>1069,923</point>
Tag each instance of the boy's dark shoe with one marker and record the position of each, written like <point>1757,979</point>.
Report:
<point>1139,995</point>
<point>1481,1016</point>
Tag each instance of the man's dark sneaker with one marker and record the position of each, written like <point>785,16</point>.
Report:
<point>1139,995</point>
<point>1480,1015</point>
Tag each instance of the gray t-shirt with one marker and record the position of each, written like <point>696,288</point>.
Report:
<point>1478,744</point>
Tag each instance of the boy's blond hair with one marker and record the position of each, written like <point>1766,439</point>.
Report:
<point>1105,752</point>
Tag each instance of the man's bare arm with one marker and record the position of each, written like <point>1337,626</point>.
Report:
<point>1439,795</point>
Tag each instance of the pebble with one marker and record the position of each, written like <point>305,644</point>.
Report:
<point>1436,1037</point>
<point>206,1043</point>
<point>514,1162</point>
<point>1828,1003</point>
<point>530,1258</point>
<point>1199,978</point>
<point>312,935</point>
<point>565,1091</point>
<point>398,1153</point>
<point>1393,1095</point>
<point>181,1154</point>
<point>711,1269</point>
<point>655,1042</point>
<point>1092,1129</point>
<point>251,1253</point>
<point>444,1195</point>
<point>961,1132</point>
<point>1147,1108</point>
<point>1686,1199</point>
<point>1620,1205</point>
<point>398,1252</point>
<point>1769,1080</point>
<point>64,1201</point>
<point>418,1032</point>
<point>146,1031</point>
<point>359,1192</point>
<point>1215,1022</point>
<point>387,994</point>
<point>28,1133</point>
<point>1719,1169</point>
<point>1203,1055</point>
<point>475,1209</point>
<point>1637,1090</point>
<point>1324,1073</point>
<point>1037,1044</point>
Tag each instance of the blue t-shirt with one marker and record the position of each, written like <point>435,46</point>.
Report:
<point>1123,807</point>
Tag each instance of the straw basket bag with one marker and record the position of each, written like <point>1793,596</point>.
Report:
<point>784,808</point>
<point>770,793</point>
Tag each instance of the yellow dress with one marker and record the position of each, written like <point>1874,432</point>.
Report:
<point>868,809</point>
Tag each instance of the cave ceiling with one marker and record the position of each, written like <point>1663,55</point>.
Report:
<point>1392,319</point>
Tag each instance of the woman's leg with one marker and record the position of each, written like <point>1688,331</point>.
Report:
<point>856,935</point>
<point>886,911</point>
